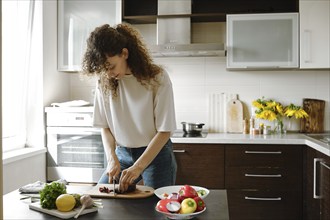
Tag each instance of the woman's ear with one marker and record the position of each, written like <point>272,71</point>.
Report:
<point>125,53</point>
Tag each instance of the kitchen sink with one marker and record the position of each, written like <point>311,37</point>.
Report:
<point>324,137</point>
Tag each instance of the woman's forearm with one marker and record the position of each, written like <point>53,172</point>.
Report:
<point>152,149</point>
<point>109,143</point>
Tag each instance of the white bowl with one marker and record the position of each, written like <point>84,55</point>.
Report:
<point>181,216</point>
<point>175,189</point>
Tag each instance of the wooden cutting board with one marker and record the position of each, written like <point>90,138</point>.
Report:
<point>140,192</point>
<point>234,116</point>
<point>315,122</point>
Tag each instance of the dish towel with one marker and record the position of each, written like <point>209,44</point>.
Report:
<point>36,187</point>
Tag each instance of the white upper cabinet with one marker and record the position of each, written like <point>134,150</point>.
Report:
<point>262,41</point>
<point>76,19</point>
<point>314,34</point>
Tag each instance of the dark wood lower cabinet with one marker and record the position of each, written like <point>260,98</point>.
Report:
<point>325,190</point>
<point>264,182</point>
<point>264,204</point>
<point>316,185</point>
<point>200,165</point>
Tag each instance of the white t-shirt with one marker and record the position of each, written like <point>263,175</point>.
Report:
<point>137,113</point>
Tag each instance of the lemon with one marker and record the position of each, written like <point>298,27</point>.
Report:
<point>65,202</point>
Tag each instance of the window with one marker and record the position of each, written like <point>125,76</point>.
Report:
<point>21,73</point>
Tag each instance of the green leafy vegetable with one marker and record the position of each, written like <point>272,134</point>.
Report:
<point>77,198</point>
<point>49,194</point>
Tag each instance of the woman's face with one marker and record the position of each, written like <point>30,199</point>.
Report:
<point>117,65</point>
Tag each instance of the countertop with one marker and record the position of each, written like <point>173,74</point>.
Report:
<point>114,209</point>
<point>229,138</point>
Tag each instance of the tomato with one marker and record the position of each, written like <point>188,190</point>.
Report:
<point>200,204</point>
<point>187,191</point>
<point>161,204</point>
<point>188,205</point>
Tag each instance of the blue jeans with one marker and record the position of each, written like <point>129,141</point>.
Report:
<point>161,171</point>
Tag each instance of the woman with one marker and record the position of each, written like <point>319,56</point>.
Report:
<point>133,106</point>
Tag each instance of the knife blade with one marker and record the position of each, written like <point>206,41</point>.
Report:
<point>114,186</point>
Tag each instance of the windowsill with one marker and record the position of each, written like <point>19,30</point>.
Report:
<point>15,155</point>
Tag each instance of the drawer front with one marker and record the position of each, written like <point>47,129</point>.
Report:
<point>263,156</point>
<point>262,204</point>
<point>263,178</point>
<point>201,165</point>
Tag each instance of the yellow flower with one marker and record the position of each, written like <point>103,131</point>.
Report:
<point>296,111</point>
<point>267,115</point>
<point>271,110</point>
<point>268,109</point>
<point>257,104</point>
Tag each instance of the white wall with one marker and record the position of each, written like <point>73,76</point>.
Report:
<point>25,171</point>
<point>56,84</point>
<point>195,78</point>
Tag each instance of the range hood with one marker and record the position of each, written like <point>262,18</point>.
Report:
<point>186,50</point>
<point>174,33</point>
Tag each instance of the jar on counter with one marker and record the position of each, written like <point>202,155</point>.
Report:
<point>267,130</point>
<point>255,131</point>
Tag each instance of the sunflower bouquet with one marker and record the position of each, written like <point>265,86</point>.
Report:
<point>271,110</point>
<point>296,111</point>
<point>268,109</point>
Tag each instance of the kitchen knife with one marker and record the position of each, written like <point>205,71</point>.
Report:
<point>114,186</point>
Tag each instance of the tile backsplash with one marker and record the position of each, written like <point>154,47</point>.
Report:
<point>195,78</point>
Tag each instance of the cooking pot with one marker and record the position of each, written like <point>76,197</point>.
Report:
<point>192,128</point>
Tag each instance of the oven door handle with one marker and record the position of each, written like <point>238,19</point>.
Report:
<point>74,130</point>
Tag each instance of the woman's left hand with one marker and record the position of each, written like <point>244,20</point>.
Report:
<point>128,176</point>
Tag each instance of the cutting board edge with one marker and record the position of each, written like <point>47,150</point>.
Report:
<point>94,192</point>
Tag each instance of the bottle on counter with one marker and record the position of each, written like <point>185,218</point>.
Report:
<point>261,128</point>
<point>251,125</point>
<point>246,126</point>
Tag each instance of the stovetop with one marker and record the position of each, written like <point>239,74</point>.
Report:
<point>324,137</point>
<point>181,134</point>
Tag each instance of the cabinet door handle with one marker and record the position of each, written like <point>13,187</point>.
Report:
<point>263,175</point>
<point>325,165</point>
<point>262,152</point>
<point>315,178</point>
<point>263,198</point>
<point>261,67</point>
<point>307,46</point>
<point>179,151</point>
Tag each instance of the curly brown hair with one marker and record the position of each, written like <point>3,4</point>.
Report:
<point>109,41</point>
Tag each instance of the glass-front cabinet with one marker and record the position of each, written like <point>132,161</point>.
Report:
<point>262,41</point>
<point>76,19</point>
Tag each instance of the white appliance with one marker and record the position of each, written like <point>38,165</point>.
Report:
<point>75,149</point>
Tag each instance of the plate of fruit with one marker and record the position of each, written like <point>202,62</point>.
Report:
<point>184,201</point>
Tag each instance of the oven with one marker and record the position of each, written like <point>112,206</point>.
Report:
<point>74,148</point>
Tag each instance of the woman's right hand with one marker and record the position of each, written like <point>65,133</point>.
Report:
<point>114,169</point>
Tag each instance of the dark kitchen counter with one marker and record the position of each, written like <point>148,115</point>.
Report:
<point>114,209</point>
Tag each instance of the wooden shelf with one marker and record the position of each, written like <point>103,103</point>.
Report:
<point>145,11</point>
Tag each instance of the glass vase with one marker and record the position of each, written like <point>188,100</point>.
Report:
<point>279,126</point>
